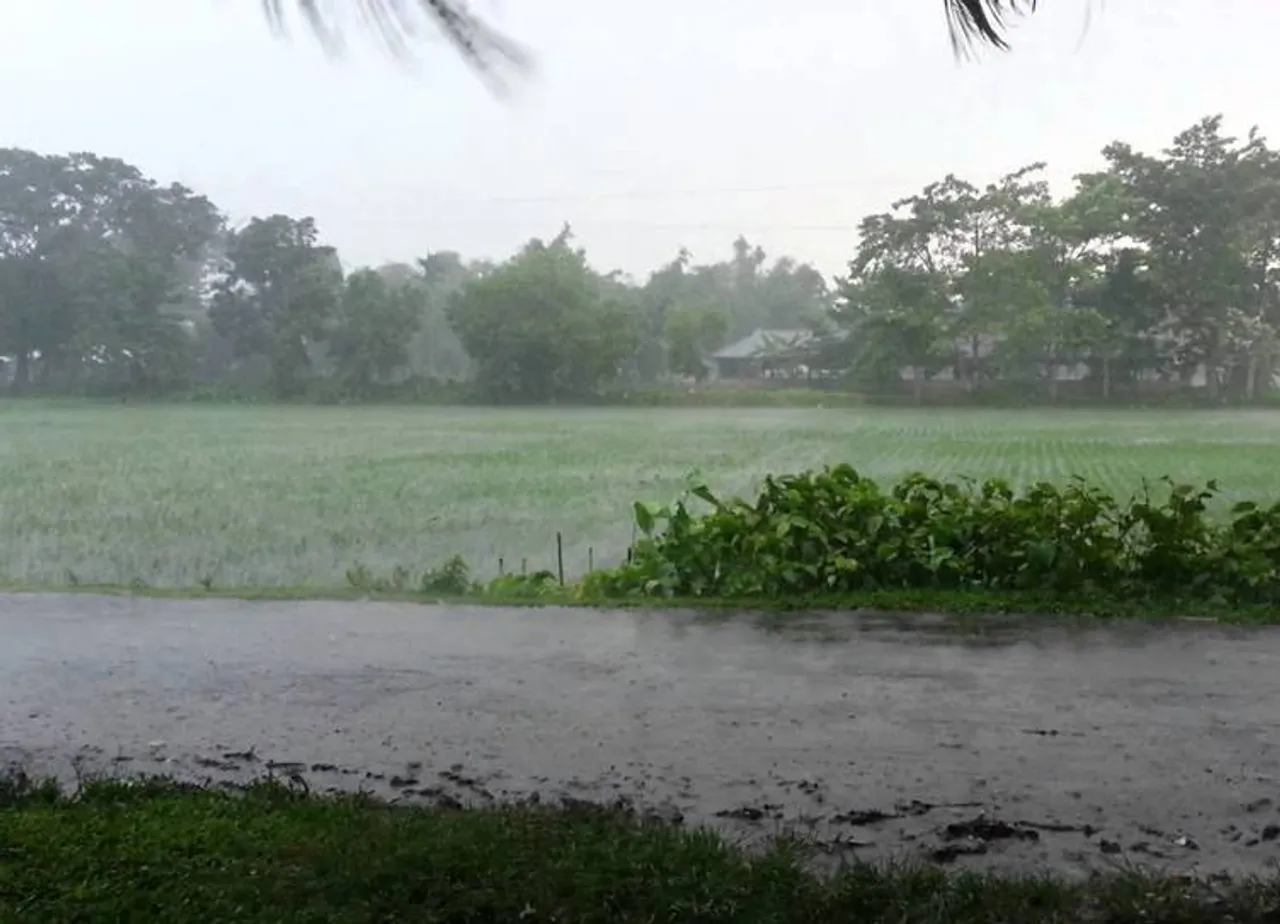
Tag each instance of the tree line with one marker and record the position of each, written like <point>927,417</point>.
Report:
<point>111,283</point>
<point>1153,269</point>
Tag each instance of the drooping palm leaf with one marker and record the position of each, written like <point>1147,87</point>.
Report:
<point>982,22</point>
<point>972,23</point>
<point>492,54</point>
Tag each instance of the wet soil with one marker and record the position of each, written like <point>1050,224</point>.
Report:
<point>1024,749</point>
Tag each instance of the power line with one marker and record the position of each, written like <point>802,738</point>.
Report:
<point>730,227</point>
<point>660,193</point>
<point>850,229</point>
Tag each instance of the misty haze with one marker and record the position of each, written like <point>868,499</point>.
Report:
<point>695,462</point>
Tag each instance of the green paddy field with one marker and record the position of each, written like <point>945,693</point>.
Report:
<point>239,497</point>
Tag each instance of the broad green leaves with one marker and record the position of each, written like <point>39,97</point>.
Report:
<point>834,531</point>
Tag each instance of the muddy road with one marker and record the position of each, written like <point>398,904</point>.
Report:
<point>1034,749</point>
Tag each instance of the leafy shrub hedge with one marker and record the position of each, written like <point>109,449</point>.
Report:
<point>834,531</point>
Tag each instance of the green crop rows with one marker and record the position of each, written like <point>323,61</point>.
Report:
<point>277,496</point>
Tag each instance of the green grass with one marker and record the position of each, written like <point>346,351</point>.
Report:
<point>258,497</point>
<point>158,852</point>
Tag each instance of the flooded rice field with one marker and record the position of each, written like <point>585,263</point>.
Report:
<point>1028,749</point>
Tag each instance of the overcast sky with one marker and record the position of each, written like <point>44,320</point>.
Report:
<point>648,125</point>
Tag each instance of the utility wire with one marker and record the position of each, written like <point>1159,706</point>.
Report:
<point>662,193</point>
<point>579,222</point>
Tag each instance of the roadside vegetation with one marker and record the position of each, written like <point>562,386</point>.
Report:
<point>836,537</point>
<point>835,531</point>
<point>159,851</point>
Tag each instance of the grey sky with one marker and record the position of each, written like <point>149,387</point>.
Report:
<point>647,126</point>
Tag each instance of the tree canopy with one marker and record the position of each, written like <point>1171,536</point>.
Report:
<point>1156,271</point>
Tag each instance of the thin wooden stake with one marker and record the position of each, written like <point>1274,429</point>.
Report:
<point>560,557</point>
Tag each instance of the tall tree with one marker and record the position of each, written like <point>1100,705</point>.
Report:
<point>93,252</point>
<point>935,247</point>
<point>998,271</point>
<point>1204,216</point>
<point>435,352</point>
<point>692,334</point>
<point>659,298</point>
<point>279,291</point>
<point>893,318</point>
<point>746,290</point>
<point>376,320</point>
<point>541,327</point>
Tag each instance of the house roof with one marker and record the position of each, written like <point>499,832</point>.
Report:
<point>762,342</point>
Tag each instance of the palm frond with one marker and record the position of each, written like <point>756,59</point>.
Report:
<point>493,55</point>
<point>982,22</point>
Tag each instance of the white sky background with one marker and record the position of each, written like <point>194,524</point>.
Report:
<point>647,126</point>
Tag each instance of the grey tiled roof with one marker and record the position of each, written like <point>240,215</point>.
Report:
<point>761,342</point>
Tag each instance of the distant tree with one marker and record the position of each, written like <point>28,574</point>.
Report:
<point>128,338</point>
<point>664,287</point>
<point>1158,265</point>
<point>92,255</point>
<point>376,320</point>
<point>436,350</point>
<point>1040,340</point>
<point>745,290</point>
<point>692,334</point>
<point>36,314</point>
<point>893,318</point>
<point>1206,218</point>
<point>540,327</point>
<point>280,291</point>
<point>446,270</point>
<point>792,295</point>
<point>902,305</point>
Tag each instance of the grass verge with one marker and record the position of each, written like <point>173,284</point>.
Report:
<point>158,851</point>
<point>959,607</point>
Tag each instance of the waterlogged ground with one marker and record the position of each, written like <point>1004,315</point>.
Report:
<point>1018,750</point>
<point>235,497</point>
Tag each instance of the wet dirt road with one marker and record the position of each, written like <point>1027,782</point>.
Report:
<point>1042,748</point>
